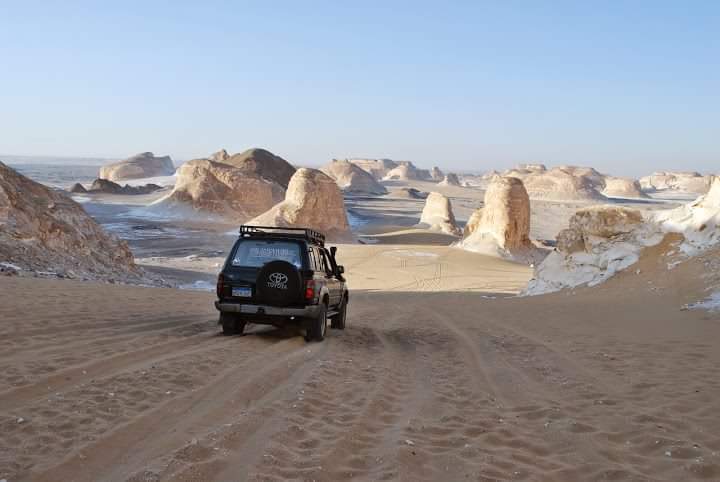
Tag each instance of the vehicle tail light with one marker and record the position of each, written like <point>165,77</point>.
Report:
<point>309,290</point>
<point>220,285</point>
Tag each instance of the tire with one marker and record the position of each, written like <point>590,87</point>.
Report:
<point>317,327</point>
<point>279,283</point>
<point>231,324</point>
<point>338,321</point>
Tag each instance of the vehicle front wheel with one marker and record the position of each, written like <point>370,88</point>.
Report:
<point>317,326</point>
<point>232,324</point>
<point>338,321</point>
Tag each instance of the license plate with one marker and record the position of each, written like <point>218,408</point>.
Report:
<point>242,292</point>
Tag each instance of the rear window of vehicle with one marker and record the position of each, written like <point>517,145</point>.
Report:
<point>254,253</point>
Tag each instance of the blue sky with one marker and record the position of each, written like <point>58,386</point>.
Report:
<point>628,87</point>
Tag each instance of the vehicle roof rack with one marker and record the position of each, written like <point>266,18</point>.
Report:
<point>315,237</point>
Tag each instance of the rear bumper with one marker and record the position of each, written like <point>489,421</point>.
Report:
<point>265,310</point>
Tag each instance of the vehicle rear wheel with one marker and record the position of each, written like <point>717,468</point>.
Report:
<point>317,326</point>
<point>338,321</point>
<point>232,324</point>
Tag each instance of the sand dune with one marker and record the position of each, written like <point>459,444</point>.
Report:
<point>125,383</point>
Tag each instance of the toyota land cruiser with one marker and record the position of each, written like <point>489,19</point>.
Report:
<point>278,276</point>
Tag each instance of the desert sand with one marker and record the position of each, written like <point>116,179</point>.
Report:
<point>428,382</point>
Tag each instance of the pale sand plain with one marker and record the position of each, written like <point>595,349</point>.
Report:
<point>442,374</point>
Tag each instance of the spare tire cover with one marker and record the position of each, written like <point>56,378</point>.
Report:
<point>278,284</point>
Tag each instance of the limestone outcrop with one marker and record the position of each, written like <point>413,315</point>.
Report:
<point>378,168</point>
<point>313,200</point>
<point>437,215</point>
<point>692,183</point>
<point>502,225</point>
<point>262,163</point>
<point>623,188</point>
<point>138,167</point>
<point>219,189</point>
<point>45,232</point>
<point>353,179</point>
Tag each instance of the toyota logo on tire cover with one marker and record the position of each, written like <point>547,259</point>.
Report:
<point>277,281</point>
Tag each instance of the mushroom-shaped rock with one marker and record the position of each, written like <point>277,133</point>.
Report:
<point>353,179</point>
<point>221,189</point>
<point>264,164</point>
<point>451,179</point>
<point>623,188</point>
<point>437,215</point>
<point>138,167</point>
<point>45,230</point>
<point>313,200</point>
<point>436,174</point>
<point>503,224</point>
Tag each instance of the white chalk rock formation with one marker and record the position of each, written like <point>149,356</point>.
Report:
<point>406,171</point>
<point>44,231</point>
<point>313,200</point>
<point>222,190</point>
<point>623,188</point>
<point>603,240</point>
<point>353,179</point>
<point>679,182</point>
<point>521,171</point>
<point>562,184</point>
<point>502,226</point>
<point>437,215</point>
<point>600,241</point>
<point>450,179</point>
<point>138,167</point>
<point>262,163</point>
<point>378,168</point>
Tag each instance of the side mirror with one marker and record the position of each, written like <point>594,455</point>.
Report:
<point>340,269</point>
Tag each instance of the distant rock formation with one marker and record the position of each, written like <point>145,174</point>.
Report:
<point>43,231</point>
<point>502,225</point>
<point>108,187</point>
<point>406,171</point>
<point>437,215</point>
<point>680,182</point>
<point>262,163</point>
<point>378,168</point>
<point>220,189</point>
<point>451,179</point>
<point>138,167</point>
<point>78,188</point>
<point>623,188</point>
<point>313,200</point>
<point>563,184</point>
<point>411,193</point>
<point>522,171</point>
<point>353,179</point>
<point>436,174</point>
